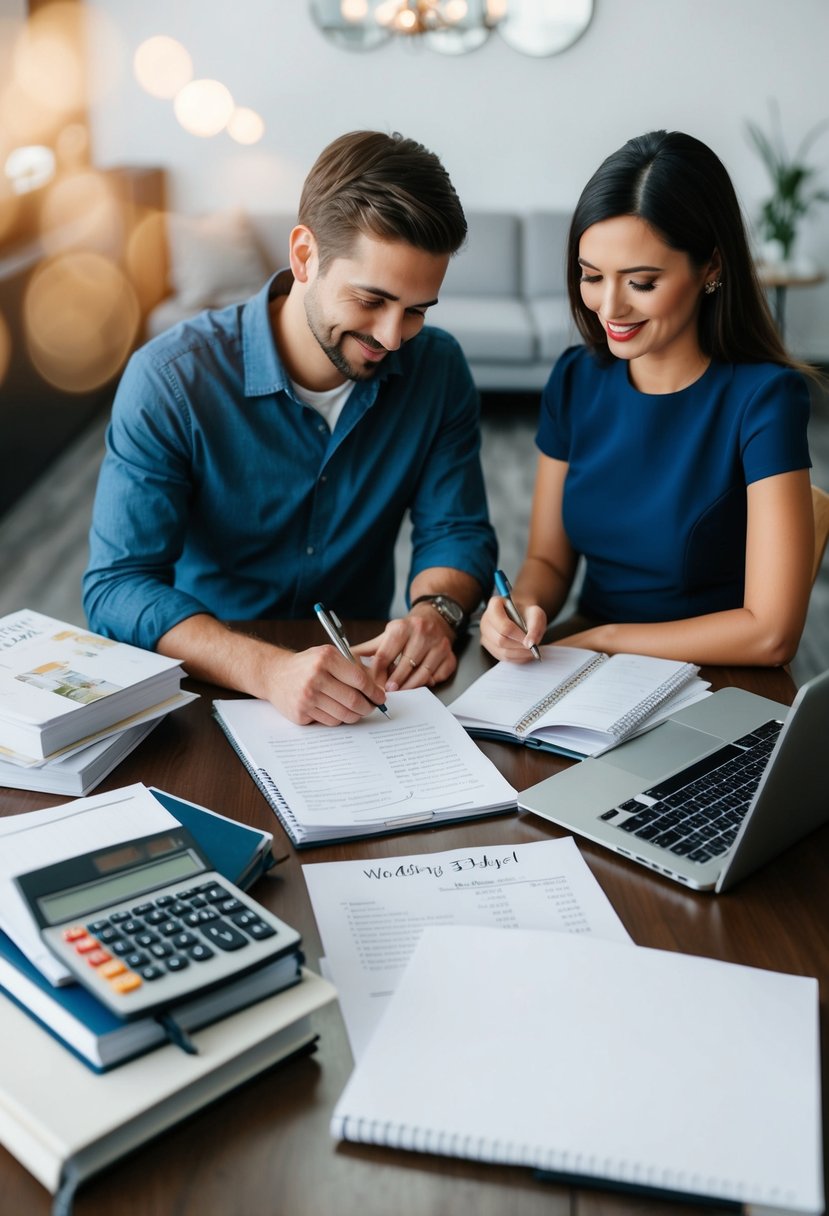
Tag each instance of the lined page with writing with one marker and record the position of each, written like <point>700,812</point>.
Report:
<point>348,780</point>
<point>579,1056</point>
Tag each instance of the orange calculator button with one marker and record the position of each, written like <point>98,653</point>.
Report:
<point>126,982</point>
<point>74,933</point>
<point>115,966</point>
<point>96,957</point>
<point>85,944</point>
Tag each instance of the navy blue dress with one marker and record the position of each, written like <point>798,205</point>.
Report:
<point>655,494</point>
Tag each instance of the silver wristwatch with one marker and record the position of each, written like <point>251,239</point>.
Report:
<point>449,609</point>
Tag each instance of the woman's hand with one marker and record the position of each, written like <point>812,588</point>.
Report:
<point>506,640</point>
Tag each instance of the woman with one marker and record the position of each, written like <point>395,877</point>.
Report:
<point>673,444</point>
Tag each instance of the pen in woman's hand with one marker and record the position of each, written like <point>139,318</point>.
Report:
<point>333,627</point>
<point>502,586</point>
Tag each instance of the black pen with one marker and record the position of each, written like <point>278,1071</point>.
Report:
<point>502,586</point>
<point>333,626</point>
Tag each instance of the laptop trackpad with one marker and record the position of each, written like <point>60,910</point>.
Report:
<point>661,751</point>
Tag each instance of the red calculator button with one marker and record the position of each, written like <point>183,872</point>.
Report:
<point>86,945</point>
<point>96,957</point>
<point>74,933</point>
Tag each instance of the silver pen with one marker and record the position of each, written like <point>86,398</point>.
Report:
<point>502,586</point>
<point>333,626</point>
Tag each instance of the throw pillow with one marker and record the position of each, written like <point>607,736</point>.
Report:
<point>213,257</point>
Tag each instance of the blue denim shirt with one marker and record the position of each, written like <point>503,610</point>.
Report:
<point>221,492</point>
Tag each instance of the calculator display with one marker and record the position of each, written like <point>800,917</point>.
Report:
<point>78,901</point>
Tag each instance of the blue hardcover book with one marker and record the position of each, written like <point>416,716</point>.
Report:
<point>239,852</point>
<point>88,1028</point>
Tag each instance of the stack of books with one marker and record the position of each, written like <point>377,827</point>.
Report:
<point>93,1086</point>
<point>73,704</point>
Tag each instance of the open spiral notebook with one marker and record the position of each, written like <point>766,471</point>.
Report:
<point>578,702</point>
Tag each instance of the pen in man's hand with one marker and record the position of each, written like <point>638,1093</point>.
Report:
<point>332,625</point>
<point>502,586</point>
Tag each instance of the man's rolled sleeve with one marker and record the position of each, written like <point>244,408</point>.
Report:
<point>450,521</point>
<point>139,515</point>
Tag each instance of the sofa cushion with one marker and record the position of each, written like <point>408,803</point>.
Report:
<point>489,262</point>
<point>488,329</point>
<point>545,252</point>
<point>211,256</point>
<point>554,326</point>
<point>272,231</point>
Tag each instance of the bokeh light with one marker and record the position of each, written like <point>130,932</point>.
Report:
<point>5,348</point>
<point>48,63</point>
<point>29,168</point>
<point>82,209</point>
<point>144,258</point>
<point>162,66</point>
<point>246,126</point>
<point>81,319</point>
<point>72,145</point>
<point>354,10</point>
<point>204,107</point>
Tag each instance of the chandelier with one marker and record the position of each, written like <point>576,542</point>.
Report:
<point>536,27</point>
<point>426,16</point>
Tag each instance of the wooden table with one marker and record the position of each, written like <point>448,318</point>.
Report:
<point>265,1150</point>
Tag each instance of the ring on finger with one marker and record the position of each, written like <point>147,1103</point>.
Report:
<point>411,660</point>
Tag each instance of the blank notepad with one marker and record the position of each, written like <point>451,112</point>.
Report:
<point>584,1057</point>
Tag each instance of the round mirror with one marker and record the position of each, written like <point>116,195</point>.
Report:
<point>544,27</point>
<point>344,23</point>
<point>458,41</point>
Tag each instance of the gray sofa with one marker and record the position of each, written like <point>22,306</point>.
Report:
<point>504,296</point>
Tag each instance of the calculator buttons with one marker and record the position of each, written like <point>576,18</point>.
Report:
<point>174,941</point>
<point>223,935</point>
<point>114,967</point>
<point>127,982</point>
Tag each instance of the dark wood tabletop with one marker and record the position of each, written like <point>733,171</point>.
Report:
<point>265,1149</point>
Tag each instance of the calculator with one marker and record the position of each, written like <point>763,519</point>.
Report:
<point>149,923</point>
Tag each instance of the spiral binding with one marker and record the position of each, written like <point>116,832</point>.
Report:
<point>568,1165</point>
<point>276,798</point>
<point>561,690</point>
<point>636,716</point>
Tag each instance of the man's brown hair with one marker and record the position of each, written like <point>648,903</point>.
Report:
<point>382,186</point>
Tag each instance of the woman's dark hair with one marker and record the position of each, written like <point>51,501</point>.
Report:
<point>383,186</point>
<point>678,186</point>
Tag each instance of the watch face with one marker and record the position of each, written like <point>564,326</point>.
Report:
<point>449,609</point>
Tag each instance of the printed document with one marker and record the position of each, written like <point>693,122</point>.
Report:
<point>370,914</point>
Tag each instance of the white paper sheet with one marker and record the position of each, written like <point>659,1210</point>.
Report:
<point>40,838</point>
<point>370,914</point>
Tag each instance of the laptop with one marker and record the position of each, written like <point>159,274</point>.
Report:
<point>709,795</point>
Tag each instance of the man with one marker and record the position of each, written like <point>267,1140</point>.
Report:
<point>262,457</point>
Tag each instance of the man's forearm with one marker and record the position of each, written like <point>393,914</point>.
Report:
<point>213,652</point>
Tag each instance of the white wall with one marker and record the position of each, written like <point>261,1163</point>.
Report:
<point>514,131</point>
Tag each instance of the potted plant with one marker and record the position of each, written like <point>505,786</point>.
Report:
<point>793,191</point>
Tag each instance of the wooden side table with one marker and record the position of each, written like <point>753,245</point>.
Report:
<point>779,279</point>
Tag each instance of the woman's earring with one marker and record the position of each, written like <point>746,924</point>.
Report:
<point>712,285</point>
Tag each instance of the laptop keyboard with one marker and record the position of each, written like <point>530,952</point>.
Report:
<point>697,812</point>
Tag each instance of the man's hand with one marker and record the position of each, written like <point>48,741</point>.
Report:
<point>316,685</point>
<point>412,651</point>
<point>320,685</point>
